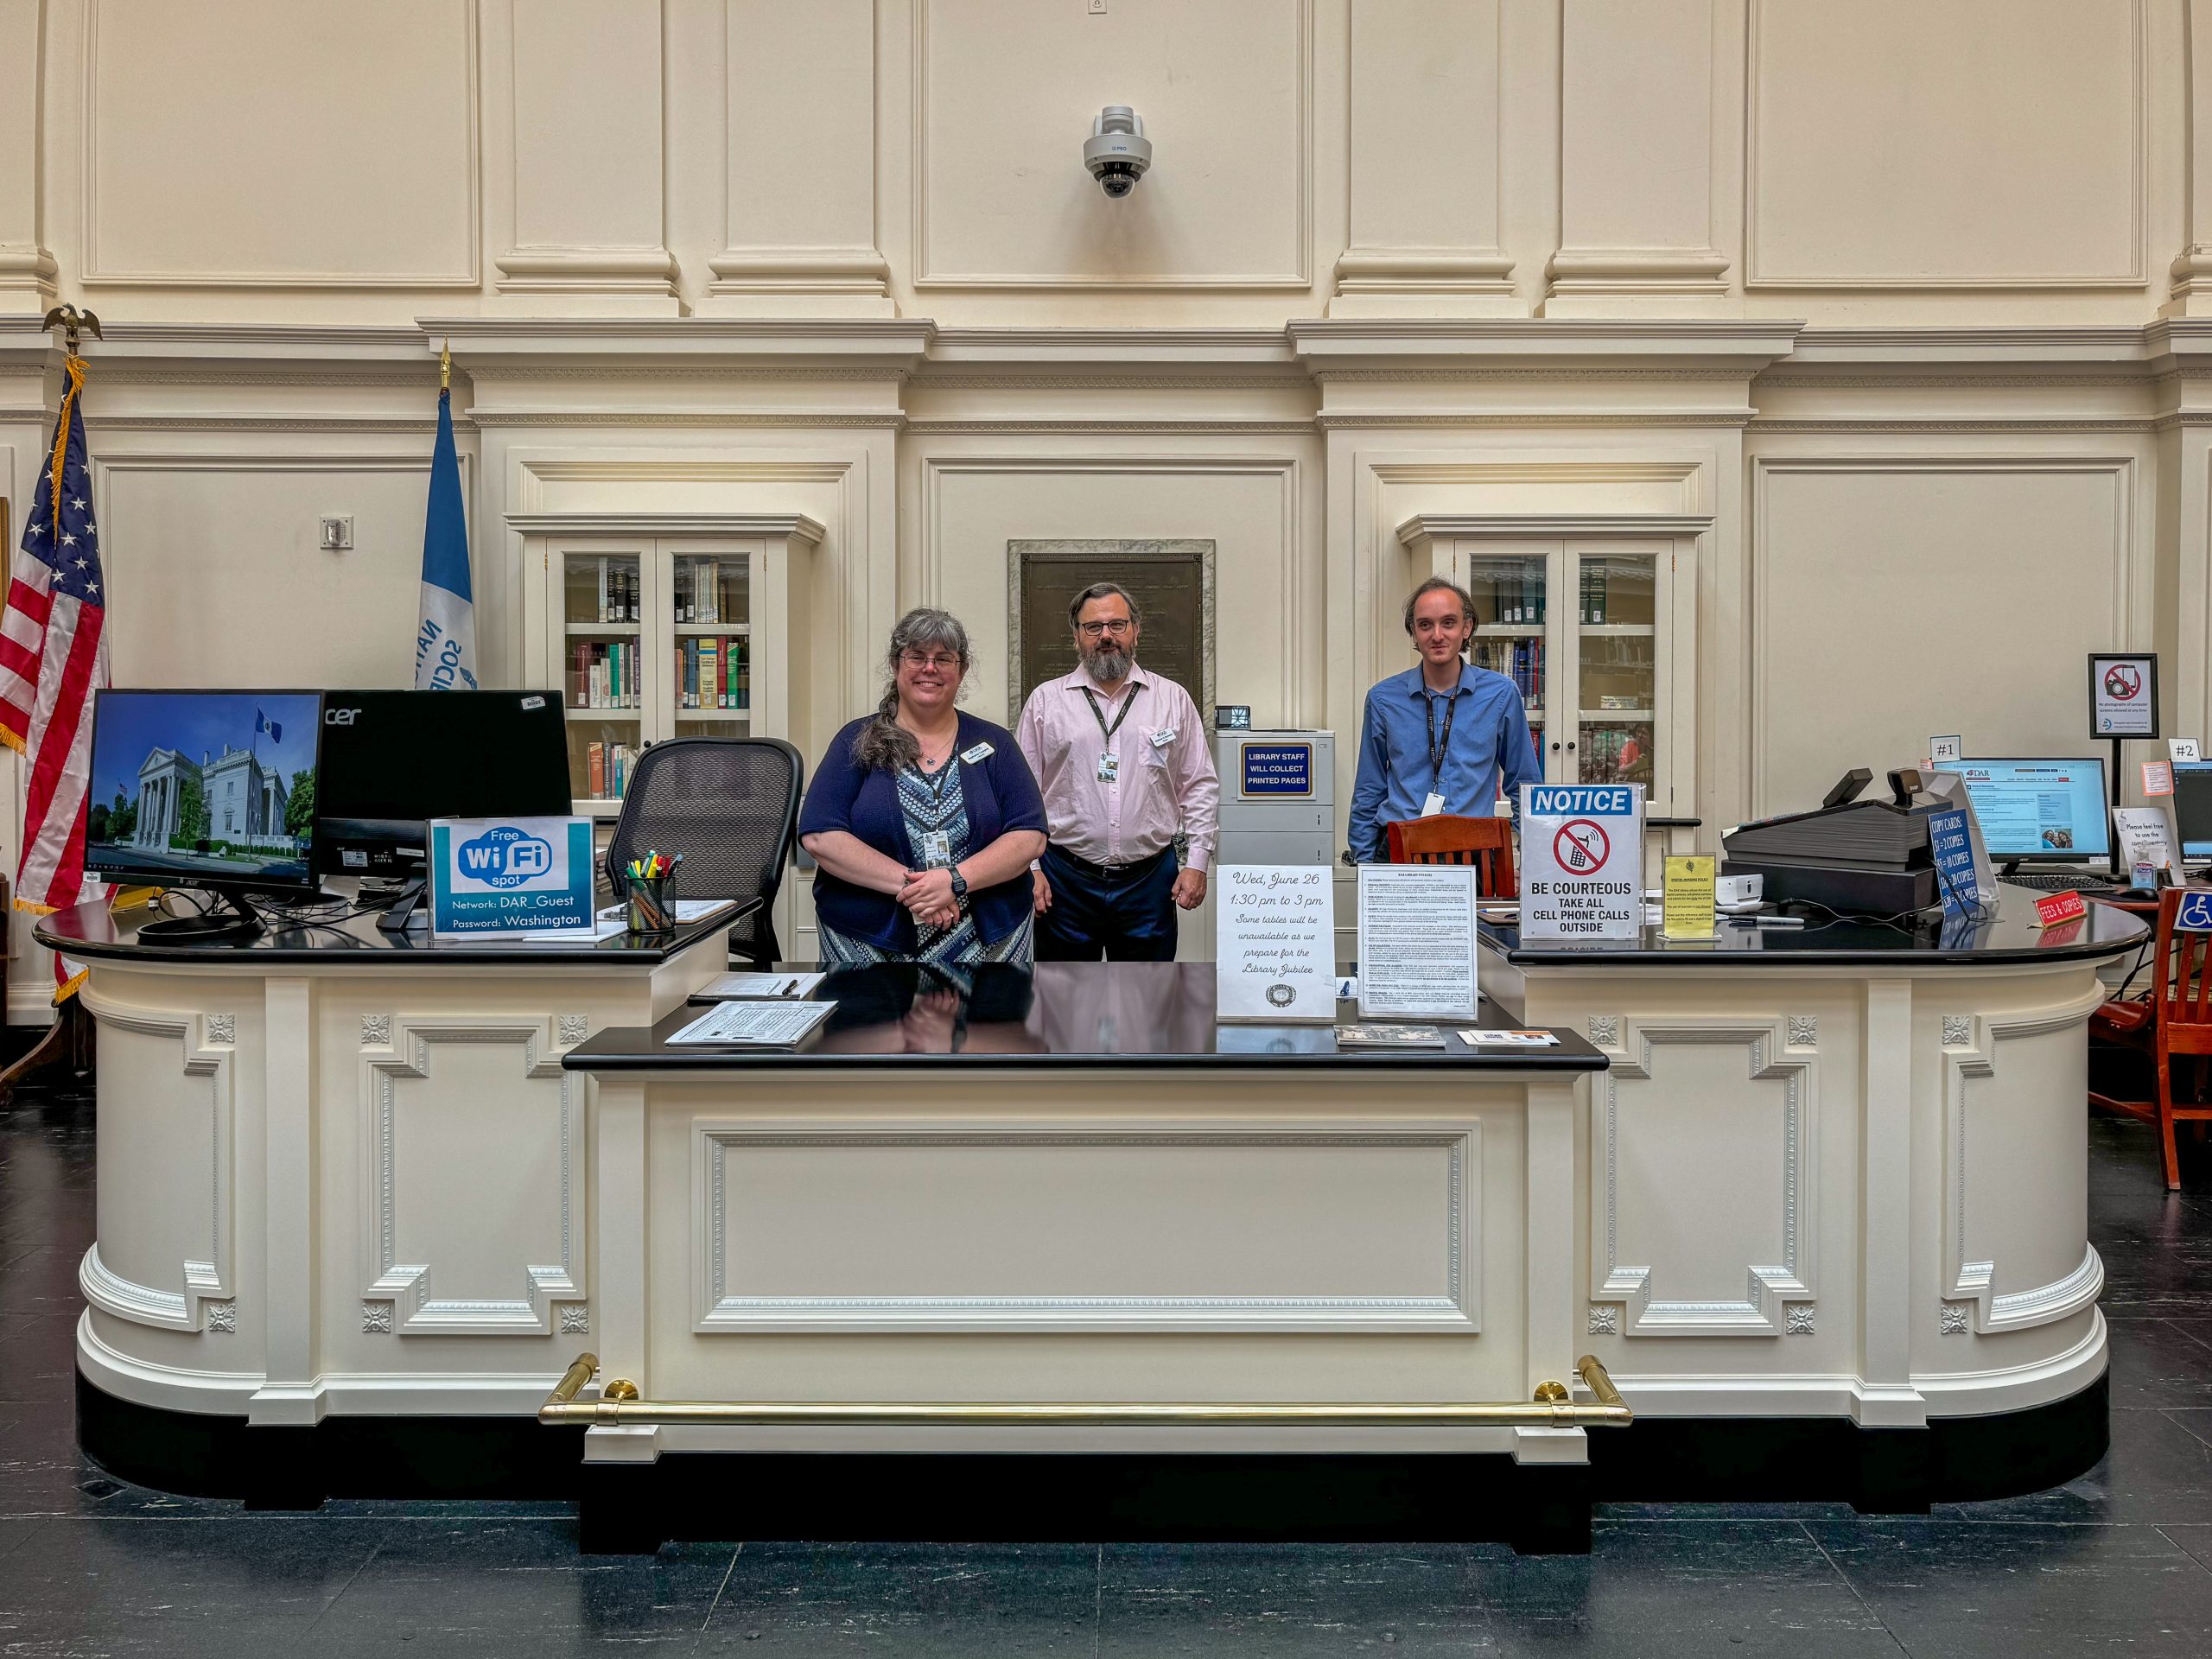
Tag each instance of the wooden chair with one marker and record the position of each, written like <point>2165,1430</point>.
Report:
<point>2173,1019</point>
<point>1486,843</point>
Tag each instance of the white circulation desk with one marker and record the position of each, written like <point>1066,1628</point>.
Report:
<point>1840,1173</point>
<point>360,1208</point>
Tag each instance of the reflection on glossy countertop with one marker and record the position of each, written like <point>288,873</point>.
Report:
<point>340,931</point>
<point>2010,935</point>
<point>1073,1012</point>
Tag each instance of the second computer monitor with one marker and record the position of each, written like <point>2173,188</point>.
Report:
<point>2193,807</point>
<point>392,760</point>
<point>2051,808</point>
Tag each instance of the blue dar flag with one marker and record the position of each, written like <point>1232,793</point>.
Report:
<point>445,644</point>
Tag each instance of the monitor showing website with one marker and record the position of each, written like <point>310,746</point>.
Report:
<point>2051,808</point>
<point>2193,807</point>
<point>213,788</point>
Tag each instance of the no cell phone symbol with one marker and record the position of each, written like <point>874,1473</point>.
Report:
<point>1581,846</point>
<point>2123,681</point>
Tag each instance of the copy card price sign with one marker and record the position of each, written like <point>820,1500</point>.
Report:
<point>511,876</point>
<point>1581,860</point>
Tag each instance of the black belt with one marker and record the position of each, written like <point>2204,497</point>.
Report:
<point>1110,872</point>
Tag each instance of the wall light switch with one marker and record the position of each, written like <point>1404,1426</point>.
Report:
<point>337,533</point>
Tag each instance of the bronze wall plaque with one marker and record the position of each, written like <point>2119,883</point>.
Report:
<point>1173,584</point>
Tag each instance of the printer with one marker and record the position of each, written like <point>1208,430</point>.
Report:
<point>1869,857</point>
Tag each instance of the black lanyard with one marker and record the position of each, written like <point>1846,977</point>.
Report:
<point>1438,751</point>
<point>935,781</point>
<point>1127,704</point>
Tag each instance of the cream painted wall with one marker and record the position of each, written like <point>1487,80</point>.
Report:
<point>1897,302</point>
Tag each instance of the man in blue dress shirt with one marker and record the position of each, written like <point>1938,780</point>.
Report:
<point>1436,738</point>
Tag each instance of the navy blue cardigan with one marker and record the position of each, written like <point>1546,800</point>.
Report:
<point>1000,794</point>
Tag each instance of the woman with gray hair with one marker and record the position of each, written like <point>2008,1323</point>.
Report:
<point>924,819</point>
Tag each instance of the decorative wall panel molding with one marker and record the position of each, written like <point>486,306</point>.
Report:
<point>1866,165</point>
<point>247,201</point>
<point>1787,1271</point>
<point>1000,199</point>
<point>204,1272</point>
<point>553,1105</point>
<point>1970,1267</point>
<point>1826,531</point>
<point>1426,166</point>
<point>770,1258</point>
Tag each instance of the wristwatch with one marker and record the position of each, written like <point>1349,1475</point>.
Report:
<point>959,884</point>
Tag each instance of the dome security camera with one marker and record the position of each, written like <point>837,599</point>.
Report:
<point>1117,153</point>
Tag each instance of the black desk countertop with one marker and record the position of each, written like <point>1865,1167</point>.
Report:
<point>1829,941</point>
<point>1080,1016</point>
<point>89,932</point>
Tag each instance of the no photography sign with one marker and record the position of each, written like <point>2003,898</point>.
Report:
<point>1582,861</point>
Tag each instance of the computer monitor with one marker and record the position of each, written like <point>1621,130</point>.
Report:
<point>204,789</point>
<point>392,760</point>
<point>2040,809</point>
<point>2193,807</point>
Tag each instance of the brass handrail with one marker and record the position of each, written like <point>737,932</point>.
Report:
<point>618,1406</point>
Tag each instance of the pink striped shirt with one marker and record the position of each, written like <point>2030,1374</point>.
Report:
<point>1165,779</point>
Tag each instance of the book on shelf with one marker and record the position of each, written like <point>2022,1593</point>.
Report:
<point>606,770</point>
<point>1593,595</point>
<point>603,674</point>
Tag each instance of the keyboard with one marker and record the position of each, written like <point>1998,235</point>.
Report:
<point>2065,882</point>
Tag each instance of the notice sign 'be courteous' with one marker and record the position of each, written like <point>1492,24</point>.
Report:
<point>1581,860</point>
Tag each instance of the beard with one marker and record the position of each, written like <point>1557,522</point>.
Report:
<point>1106,664</point>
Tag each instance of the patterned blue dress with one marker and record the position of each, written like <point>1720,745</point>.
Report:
<point>935,812</point>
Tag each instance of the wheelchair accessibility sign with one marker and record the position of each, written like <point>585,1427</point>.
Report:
<point>2195,915</point>
<point>510,875</point>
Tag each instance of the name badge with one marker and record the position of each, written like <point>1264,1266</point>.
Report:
<point>1432,805</point>
<point>1163,737</point>
<point>1109,766</point>
<point>937,847</point>
<point>983,751</point>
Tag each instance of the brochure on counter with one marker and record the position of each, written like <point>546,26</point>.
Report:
<point>1375,1036</point>
<point>754,1025</point>
<point>796,988</point>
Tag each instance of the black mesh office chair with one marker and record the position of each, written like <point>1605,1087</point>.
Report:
<point>730,805</point>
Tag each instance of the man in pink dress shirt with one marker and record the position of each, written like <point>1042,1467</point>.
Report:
<point>1123,762</point>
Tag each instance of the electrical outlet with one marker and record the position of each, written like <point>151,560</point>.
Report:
<point>337,533</point>
<point>1098,8</point>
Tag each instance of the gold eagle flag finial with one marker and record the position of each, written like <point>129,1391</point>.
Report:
<point>71,322</point>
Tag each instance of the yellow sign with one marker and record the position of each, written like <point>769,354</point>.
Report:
<point>1686,911</point>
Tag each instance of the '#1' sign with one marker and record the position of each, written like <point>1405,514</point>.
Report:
<point>1581,860</point>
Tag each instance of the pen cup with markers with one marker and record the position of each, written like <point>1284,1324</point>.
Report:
<point>648,905</point>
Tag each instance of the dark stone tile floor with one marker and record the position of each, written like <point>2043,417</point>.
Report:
<point>2118,1561</point>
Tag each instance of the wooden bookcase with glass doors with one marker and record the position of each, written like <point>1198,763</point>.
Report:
<point>1594,630</point>
<point>655,627</point>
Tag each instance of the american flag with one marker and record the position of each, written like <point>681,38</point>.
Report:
<point>52,657</point>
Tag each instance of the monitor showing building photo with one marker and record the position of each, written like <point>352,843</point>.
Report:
<point>210,787</point>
